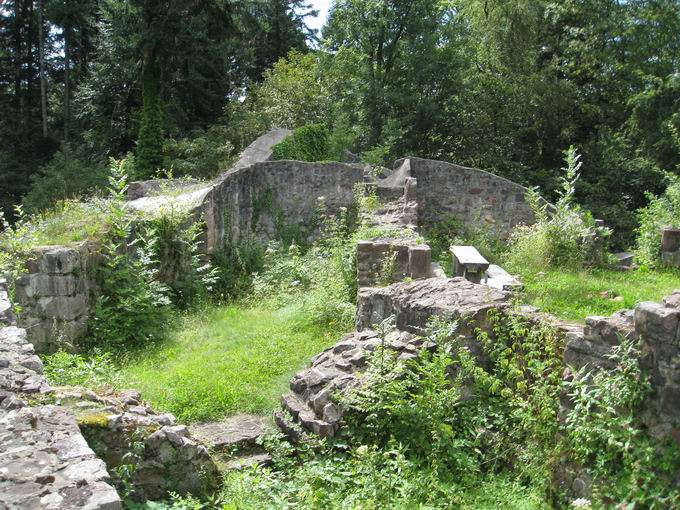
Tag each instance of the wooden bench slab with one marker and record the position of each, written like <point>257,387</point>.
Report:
<point>468,263</point>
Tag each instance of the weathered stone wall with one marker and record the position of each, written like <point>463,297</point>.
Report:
<point>311,405</point>
<point>410,260</point>
<point>657,324</point>
<point>55,295</point>
<point>45,459</point>
<point>268,198</point>
<point>474,197</point>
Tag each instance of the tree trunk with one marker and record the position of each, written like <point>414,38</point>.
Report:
<point>43,85</point>
<point>67,85</point>
<point>18,96</point>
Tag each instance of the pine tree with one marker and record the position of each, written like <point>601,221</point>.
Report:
<point>150,140</point>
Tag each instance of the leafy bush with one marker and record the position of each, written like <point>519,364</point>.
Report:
<point>661,212</point>
<point>181,267</point>
<point>131,305</point>
<point>94,371</point>
<point>202,155</point>
<point>307,143</point>
<point>604,433</point>
<point>68,175</point>
<point>565,236</point>
<point>236,264</point>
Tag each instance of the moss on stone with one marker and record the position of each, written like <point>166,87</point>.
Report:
<point>99,420</point>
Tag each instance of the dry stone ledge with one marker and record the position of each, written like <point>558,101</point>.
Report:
<point>312,404</point>
<point>44,460</point>
<point>413,303</point>
<point>46,463</point>
<point>170,460</point>
<point>239,431</point>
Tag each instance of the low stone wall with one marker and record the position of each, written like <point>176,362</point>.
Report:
<point>657,324</point>
<point>55,295</point>
<point>311,405</point>
<point>272,198</point>
<point>410,261</point>
<point>44,460</point>
<point>474,197</point>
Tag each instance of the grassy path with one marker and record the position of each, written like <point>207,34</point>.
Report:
<point>230,359</point>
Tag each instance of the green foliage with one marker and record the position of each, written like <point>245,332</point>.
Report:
<point>604,433</point>
<point>67,176</point>
<point>131,306</point>
<point>149,153</point>
<point>457,418</point>
<point>181,266</point>
<point>292,93</point>
<point>96,370</point>
<point>202,154</point>
<point>661,212</point>
<point>565,236</point>
<point>308,143</point>
<point>236,263</point>
<point>576,294</point>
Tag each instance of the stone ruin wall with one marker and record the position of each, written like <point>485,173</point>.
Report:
<point>55,295</point>
<point>46,460</point>
<point>474,197</point>
<point>257,197</point>
<point>265,197</point>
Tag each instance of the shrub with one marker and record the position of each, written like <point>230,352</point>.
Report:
<point>94,371</point>
<point>308,143</point>
<point>604,434</point>
<point>565,236</point>
<point>131,306</point>
<point>661,212</point>
<point>68,175</point>
<point>202,155</point>
<point>181,266</point>
<point>237,263</point>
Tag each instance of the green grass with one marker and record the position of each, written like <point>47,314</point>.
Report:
<point>573,295</point>
<point>70,221</point>
<point>227,360</point>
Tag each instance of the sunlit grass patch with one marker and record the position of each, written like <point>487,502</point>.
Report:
<point>573,295</point>
<point>227,360</point>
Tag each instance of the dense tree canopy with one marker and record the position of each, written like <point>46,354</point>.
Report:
<point>504,85</point>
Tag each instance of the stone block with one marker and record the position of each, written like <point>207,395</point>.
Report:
<point>657,323</point>
<point>45,285</point>
<point>63,307</point>
<point>59,260</point>
<point>670,259</point>
<point>419,261</point>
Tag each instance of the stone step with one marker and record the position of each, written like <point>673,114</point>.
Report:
<point>294,404</point>
<point>248,460</point>
<point>236,432</point>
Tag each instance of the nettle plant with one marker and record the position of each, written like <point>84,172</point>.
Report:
<point>563,236</point>
<point>132,305</point>
<point>604,433</point>
<point>460,415</point>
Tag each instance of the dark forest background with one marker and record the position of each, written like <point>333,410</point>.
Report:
<point>503,85</point>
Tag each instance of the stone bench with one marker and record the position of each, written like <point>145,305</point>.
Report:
<point>469,263</point>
